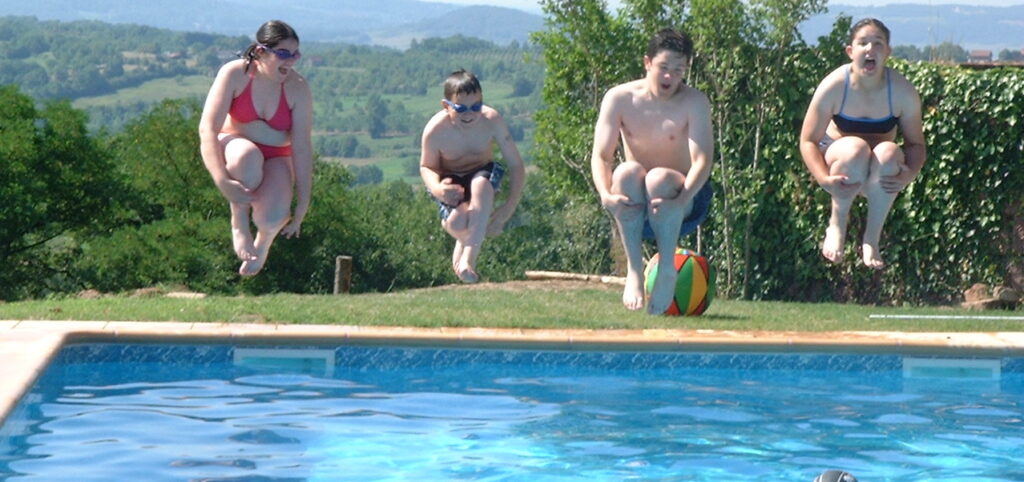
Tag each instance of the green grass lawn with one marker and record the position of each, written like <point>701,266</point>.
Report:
<point>510,305</point>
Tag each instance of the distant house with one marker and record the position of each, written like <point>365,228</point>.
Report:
<point>979,57</point>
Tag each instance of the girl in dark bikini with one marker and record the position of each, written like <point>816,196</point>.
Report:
<point>848,140</point>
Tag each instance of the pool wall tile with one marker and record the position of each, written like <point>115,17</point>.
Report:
<point>27,346</point>
<point>426,357</point>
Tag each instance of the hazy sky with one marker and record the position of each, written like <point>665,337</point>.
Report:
<point>534,5</point>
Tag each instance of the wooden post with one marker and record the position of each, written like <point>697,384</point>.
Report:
<point>342,274</point>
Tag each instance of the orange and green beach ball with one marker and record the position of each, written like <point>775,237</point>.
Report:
<point>695,286</point>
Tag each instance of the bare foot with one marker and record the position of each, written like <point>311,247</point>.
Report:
<point>633,294</point>
<point>261,249</point>
<point>872,257</point>
<point>664,290</point>
<point>467,275</point>
<point>832,246</point>
<point>456,256</point>
<point>243,244</point>
<point>251,267</point>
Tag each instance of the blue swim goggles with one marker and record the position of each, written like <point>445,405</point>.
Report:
<point>463,108</point>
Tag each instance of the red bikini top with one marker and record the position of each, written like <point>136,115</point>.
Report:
<point>244,110</point>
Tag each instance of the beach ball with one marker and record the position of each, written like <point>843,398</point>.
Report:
<point>695,286</point>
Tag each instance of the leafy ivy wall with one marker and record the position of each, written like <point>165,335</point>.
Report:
<point>954,226</point>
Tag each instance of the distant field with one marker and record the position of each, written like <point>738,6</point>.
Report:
<point>151,92</point>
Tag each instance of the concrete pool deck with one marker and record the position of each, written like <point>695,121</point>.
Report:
<point>26,347</point>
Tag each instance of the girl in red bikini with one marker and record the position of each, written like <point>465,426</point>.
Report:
<point>256,143</point>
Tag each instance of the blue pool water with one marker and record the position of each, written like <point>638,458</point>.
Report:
<point>218,412</point>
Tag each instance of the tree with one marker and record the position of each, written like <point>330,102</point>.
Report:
<point>522,87</point>
<point>369,174</point>
<point>1007,55</point>
<point>376,114</point>
<point>56,181</point>
<point>908,52</point>
<point>945,52</point>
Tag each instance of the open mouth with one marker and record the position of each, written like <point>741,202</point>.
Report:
<point>870,64</point>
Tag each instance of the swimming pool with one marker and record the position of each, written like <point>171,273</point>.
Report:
<point>179,412</point>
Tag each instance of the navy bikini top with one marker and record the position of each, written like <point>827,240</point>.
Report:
<point>865,125</point>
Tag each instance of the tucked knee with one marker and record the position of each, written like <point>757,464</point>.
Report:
<point>855,168</point>
<point>887,159</point>
<point>850,156</point>
<point>660,175</point>
<point>628,171</point>
<point>244,164</point>
<point>661,182</point>
<point>482,189</point>
<point>458,219</point>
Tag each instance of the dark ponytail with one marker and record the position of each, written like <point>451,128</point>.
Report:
<point>269,35</point>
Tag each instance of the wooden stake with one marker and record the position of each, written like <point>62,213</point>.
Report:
<point>342,274</point>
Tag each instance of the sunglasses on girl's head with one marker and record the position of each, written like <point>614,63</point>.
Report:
<point>463,108</point>
<point>282,53</point>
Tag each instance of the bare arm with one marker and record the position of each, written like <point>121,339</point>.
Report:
<point>430,161</point>
<point>430,167</point>
<point>815,122</point>
<point>602,157</point>
<point>915,151</point>
<point>516,172</point>
<point>215,112</point>
<point>702,145</point>
<point>302,155</point>
<point>813,130</point>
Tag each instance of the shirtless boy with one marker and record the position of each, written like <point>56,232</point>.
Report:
<point>457,168</point>
<point>661,189</point>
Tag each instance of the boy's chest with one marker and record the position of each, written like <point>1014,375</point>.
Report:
<point>654,125</point>
<point>463,144</point>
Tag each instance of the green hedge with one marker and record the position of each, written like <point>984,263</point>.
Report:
<point>952,227</point>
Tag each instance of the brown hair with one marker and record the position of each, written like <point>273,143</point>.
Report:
<point>269,34</point>
<point>461,82</point>
<point>671,40</point>
<point>872,22</point>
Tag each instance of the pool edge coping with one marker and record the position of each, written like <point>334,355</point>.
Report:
<point>29,346</point>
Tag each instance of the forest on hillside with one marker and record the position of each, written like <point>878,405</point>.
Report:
<point>361,93</point>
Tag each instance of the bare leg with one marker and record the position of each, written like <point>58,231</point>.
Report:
<point>885,162</point>
<point>244,163</point>
<point>241,234</point>
<point>628,180</point>
<point>835,233</point>
<point>480,206</point>
<point>665,221</point>
<point>456,256</point>
<point>457,226</point>
<point>271,211</point>
<point>848,156</point>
